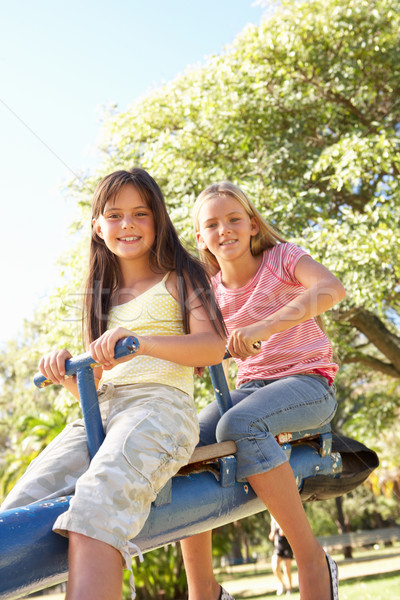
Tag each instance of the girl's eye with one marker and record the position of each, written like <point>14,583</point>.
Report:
<point>142,214</point>
<point>210,225</point>
<point>112,216</point>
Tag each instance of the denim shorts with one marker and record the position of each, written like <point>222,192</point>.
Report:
<point>261,410</point>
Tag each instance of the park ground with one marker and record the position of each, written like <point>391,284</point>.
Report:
<point>372,574</point>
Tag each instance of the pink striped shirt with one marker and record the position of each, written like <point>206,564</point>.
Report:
<point>303,348</point>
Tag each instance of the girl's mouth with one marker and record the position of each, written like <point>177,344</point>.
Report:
<point>131,238</point>
<point>228,242</point>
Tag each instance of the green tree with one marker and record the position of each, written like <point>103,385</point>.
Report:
<point>160,577</point>
<point>303,112</point>
<point>34,434</point>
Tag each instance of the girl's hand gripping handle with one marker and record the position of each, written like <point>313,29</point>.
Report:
<point>123,347</point>
<point>256,346</point>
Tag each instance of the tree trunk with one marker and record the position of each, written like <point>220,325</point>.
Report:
<point>237,554</point>
<point>343,526</point>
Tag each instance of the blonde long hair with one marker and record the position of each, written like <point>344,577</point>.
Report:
<point>267,236</point>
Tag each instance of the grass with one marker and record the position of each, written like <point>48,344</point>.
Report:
<point>372,587</point>
<point>370,575</point>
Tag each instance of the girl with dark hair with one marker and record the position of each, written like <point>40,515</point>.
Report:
<point>141,282</point>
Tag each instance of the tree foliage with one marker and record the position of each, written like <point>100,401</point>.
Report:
<point>302,112</point>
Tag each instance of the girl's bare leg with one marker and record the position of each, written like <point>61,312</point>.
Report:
<point>287,572</point>
<point>95,570</point>
<point>278,490</point>
<point>276,568</point>
<point>197,555</point>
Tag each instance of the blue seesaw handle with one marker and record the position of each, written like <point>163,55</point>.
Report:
<point>82,367</point>
<point>218,380</point>
<point>123,348</point>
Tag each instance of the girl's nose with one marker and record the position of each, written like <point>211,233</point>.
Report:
<point>224,228</point>
<point>128,222</point>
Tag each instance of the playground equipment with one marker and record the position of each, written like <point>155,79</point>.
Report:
<point>202,496</point>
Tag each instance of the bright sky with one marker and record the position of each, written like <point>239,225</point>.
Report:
<point>59,63</point>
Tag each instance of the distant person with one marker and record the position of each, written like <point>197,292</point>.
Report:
<point>269,291</point>
<point>141,282</point>
<point>281,559</point>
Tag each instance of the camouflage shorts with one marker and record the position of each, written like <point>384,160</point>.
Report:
<point>151,431</point>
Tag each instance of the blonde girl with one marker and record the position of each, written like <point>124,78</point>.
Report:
<point>269,291</point>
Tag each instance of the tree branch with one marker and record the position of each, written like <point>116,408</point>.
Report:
<point>372,363</point>
<point>377,333</point>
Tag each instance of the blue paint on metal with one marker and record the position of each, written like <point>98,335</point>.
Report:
<point>32,557</point>
<point>90,409</point>
<point>164,496</point>
<point>123,348</point>
<point>326,443</point>
<point>191,504</point>
<point>287,448</point>
<point>227,471</point>
<point>221,389</point>
<point>82,367</point>
<point>30,554</point>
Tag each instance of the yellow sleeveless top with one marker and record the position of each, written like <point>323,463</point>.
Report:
<point>155,312</point>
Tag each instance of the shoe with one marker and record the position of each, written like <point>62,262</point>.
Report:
<point>281,590</point>
<point>224,595</point>
<point>333,574</point>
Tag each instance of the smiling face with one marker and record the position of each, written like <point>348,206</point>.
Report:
<point>126,224</point>
<point>225,228</point>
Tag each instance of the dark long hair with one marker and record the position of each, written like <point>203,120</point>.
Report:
<point>166,254</point>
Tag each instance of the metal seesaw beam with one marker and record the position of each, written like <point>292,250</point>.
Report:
<point>33,557</point>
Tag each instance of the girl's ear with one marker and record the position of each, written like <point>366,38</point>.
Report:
<point>254,226</point>
<point>200,242</point>
<point>97,228</point>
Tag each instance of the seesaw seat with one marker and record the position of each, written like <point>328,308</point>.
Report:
<point>211,452</point>
<point>321,438</point>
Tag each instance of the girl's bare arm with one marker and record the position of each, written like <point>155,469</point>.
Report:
<point>201,347</point>
<point>323,290</point>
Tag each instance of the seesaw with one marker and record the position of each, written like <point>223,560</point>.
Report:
<point>202,496</point>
